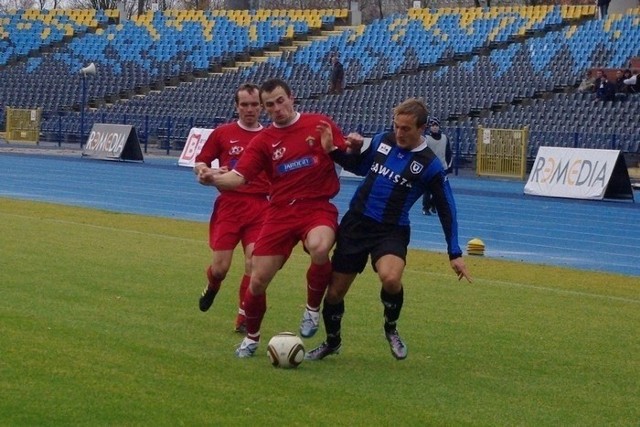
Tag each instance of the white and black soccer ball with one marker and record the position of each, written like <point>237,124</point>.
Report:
<point>285,350</point>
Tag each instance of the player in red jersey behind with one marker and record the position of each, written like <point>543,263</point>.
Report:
<point>303,181</point>
<point>237,214</point>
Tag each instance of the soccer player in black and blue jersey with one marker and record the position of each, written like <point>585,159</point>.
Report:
<point>397,168</point>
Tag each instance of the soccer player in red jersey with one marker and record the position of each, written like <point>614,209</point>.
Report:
<point>237,214</point>
<point>303,181</point>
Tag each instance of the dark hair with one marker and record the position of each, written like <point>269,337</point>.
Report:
<point>248,87</point>
<point>272,84</point>
<point>413,107</point>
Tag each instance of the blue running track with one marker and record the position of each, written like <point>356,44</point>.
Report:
<point>590,235</point>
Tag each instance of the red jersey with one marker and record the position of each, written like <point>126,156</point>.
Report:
<point>227,143</point>
<point>293,158</point>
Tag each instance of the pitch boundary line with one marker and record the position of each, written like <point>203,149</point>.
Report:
<point>408,270</point>
<point>534,287</point>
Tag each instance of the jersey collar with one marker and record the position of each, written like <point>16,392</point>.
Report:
<point>257,129</point>
<point>295,119</point>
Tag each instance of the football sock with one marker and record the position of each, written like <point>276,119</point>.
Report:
<point>392,306</point>
<point>254,308</point>
<point>244,285</point>
<point>318,278</point>
<point>214,284</point>
<point>332,317</point>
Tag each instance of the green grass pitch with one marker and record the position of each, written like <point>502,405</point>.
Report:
<point>99,325</point>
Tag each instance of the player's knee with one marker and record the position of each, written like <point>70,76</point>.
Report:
<point>259,282</point>
<point>320,243</point>
<point>257,287</point>
<point>319,251</point>
<point>391,283</point>
<point>335,294</point>
<point>218,271</point>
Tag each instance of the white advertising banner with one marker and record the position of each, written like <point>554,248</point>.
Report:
<point>196,139</point>
<point>108,141</point>
<point>575,173</point>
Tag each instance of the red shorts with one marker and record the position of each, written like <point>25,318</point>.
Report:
<point>236,217</point>
<point>287,224</point>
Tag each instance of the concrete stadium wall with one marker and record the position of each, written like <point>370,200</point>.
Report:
<point>620,6</point>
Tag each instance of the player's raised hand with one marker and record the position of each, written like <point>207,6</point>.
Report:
<point>354,142</point>
<point>326,136</point>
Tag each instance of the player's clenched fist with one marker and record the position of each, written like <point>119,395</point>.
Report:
<point>206,176</point>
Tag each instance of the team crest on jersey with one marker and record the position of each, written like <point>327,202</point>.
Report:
<point>310,140</point>
<point>236,150</point>
<point>384,148</point>
<point>278,153</point>
<point>415,167</point>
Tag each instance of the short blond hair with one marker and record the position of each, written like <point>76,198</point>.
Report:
<point>413,107</point>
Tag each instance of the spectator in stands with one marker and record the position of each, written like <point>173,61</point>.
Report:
<point>237,214</point>
<point>603,8</point>
<point>605,90</point>
<point>633,82</point>
<point>439,143</point>
<point>587,84</point>
<point>599,76</point>
<point>622,90</point>
<point>337,76</point>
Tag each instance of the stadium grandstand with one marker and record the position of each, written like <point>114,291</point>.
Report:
<point>508,66</point>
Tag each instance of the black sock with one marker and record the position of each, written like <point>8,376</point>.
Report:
<point>332,317</point>
<point>392,306</point>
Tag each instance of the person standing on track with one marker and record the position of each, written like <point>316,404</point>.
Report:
<point>440,145</point>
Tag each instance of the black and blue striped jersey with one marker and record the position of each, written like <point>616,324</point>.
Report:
<point>394,179</point>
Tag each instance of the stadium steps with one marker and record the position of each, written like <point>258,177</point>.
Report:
<point>485,51</point>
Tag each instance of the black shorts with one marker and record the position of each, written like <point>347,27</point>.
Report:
<point>360,236</point>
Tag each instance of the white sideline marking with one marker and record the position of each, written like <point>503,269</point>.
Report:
<point>102,227</point>
<point>534,287</point>
<point>305,257</point>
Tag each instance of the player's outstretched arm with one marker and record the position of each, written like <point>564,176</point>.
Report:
<point>228,180</point>
<point>458,265</point>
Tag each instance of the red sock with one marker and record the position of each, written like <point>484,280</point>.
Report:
<point>254,308</point>
<point>244,285</point>
<point>214,284</point>
<point>318,277</point>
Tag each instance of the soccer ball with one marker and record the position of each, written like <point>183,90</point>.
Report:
<point>285,350</point>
